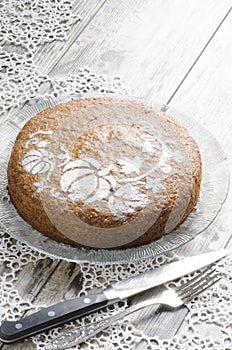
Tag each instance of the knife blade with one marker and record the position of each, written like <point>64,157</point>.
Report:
<point>68,310</point>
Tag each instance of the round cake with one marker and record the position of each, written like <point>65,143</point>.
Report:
<point>104,173</point>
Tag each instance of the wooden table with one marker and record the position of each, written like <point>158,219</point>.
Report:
<point>176,52</point>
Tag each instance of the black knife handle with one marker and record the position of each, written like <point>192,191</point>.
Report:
<point>49,317</point>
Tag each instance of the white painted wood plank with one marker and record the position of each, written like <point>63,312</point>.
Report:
<point>124,43</point>
<point>151,44</point>
<point>48,55</point>
<point>206,95</point>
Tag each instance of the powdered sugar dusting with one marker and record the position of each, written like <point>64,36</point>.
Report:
<point>125,184</point>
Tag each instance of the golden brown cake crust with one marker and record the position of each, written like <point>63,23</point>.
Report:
<point>114,223</point>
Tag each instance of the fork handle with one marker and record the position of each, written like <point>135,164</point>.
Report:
<point>83,333</point>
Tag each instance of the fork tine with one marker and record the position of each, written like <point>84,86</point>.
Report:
<point>202,276</point>
<point>201,289</point>
<point>203,282</point>
<point>194,280</point>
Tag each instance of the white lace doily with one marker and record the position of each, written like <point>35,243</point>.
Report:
<point>20,80</point>
<point>28,24</point>
<point>212,307</point>
<point>31,23</point>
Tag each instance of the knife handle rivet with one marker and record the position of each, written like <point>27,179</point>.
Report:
<point>18,325</point>
<point>51,313</point>
<point>87,300</point>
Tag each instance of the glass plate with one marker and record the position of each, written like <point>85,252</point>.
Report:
<point>214,189</point>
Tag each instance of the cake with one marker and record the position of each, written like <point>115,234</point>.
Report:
<point>104,173</point>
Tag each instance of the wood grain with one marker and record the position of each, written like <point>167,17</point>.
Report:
<point>151,44</point>
<point>47,56</point>
<point>178,50</point>
<point>206,94</point>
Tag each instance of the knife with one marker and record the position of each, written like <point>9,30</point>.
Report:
<point>68,310</point>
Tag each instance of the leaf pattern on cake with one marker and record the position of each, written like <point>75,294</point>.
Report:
<point>148,145</point>
<point>126,199</point>
<point>38,161</point>
<point>87,180</point>
<point>129,166</point>
<point>121,184</point>
<point>83,180</point>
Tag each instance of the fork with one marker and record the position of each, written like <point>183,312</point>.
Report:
<point>169,298</point>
